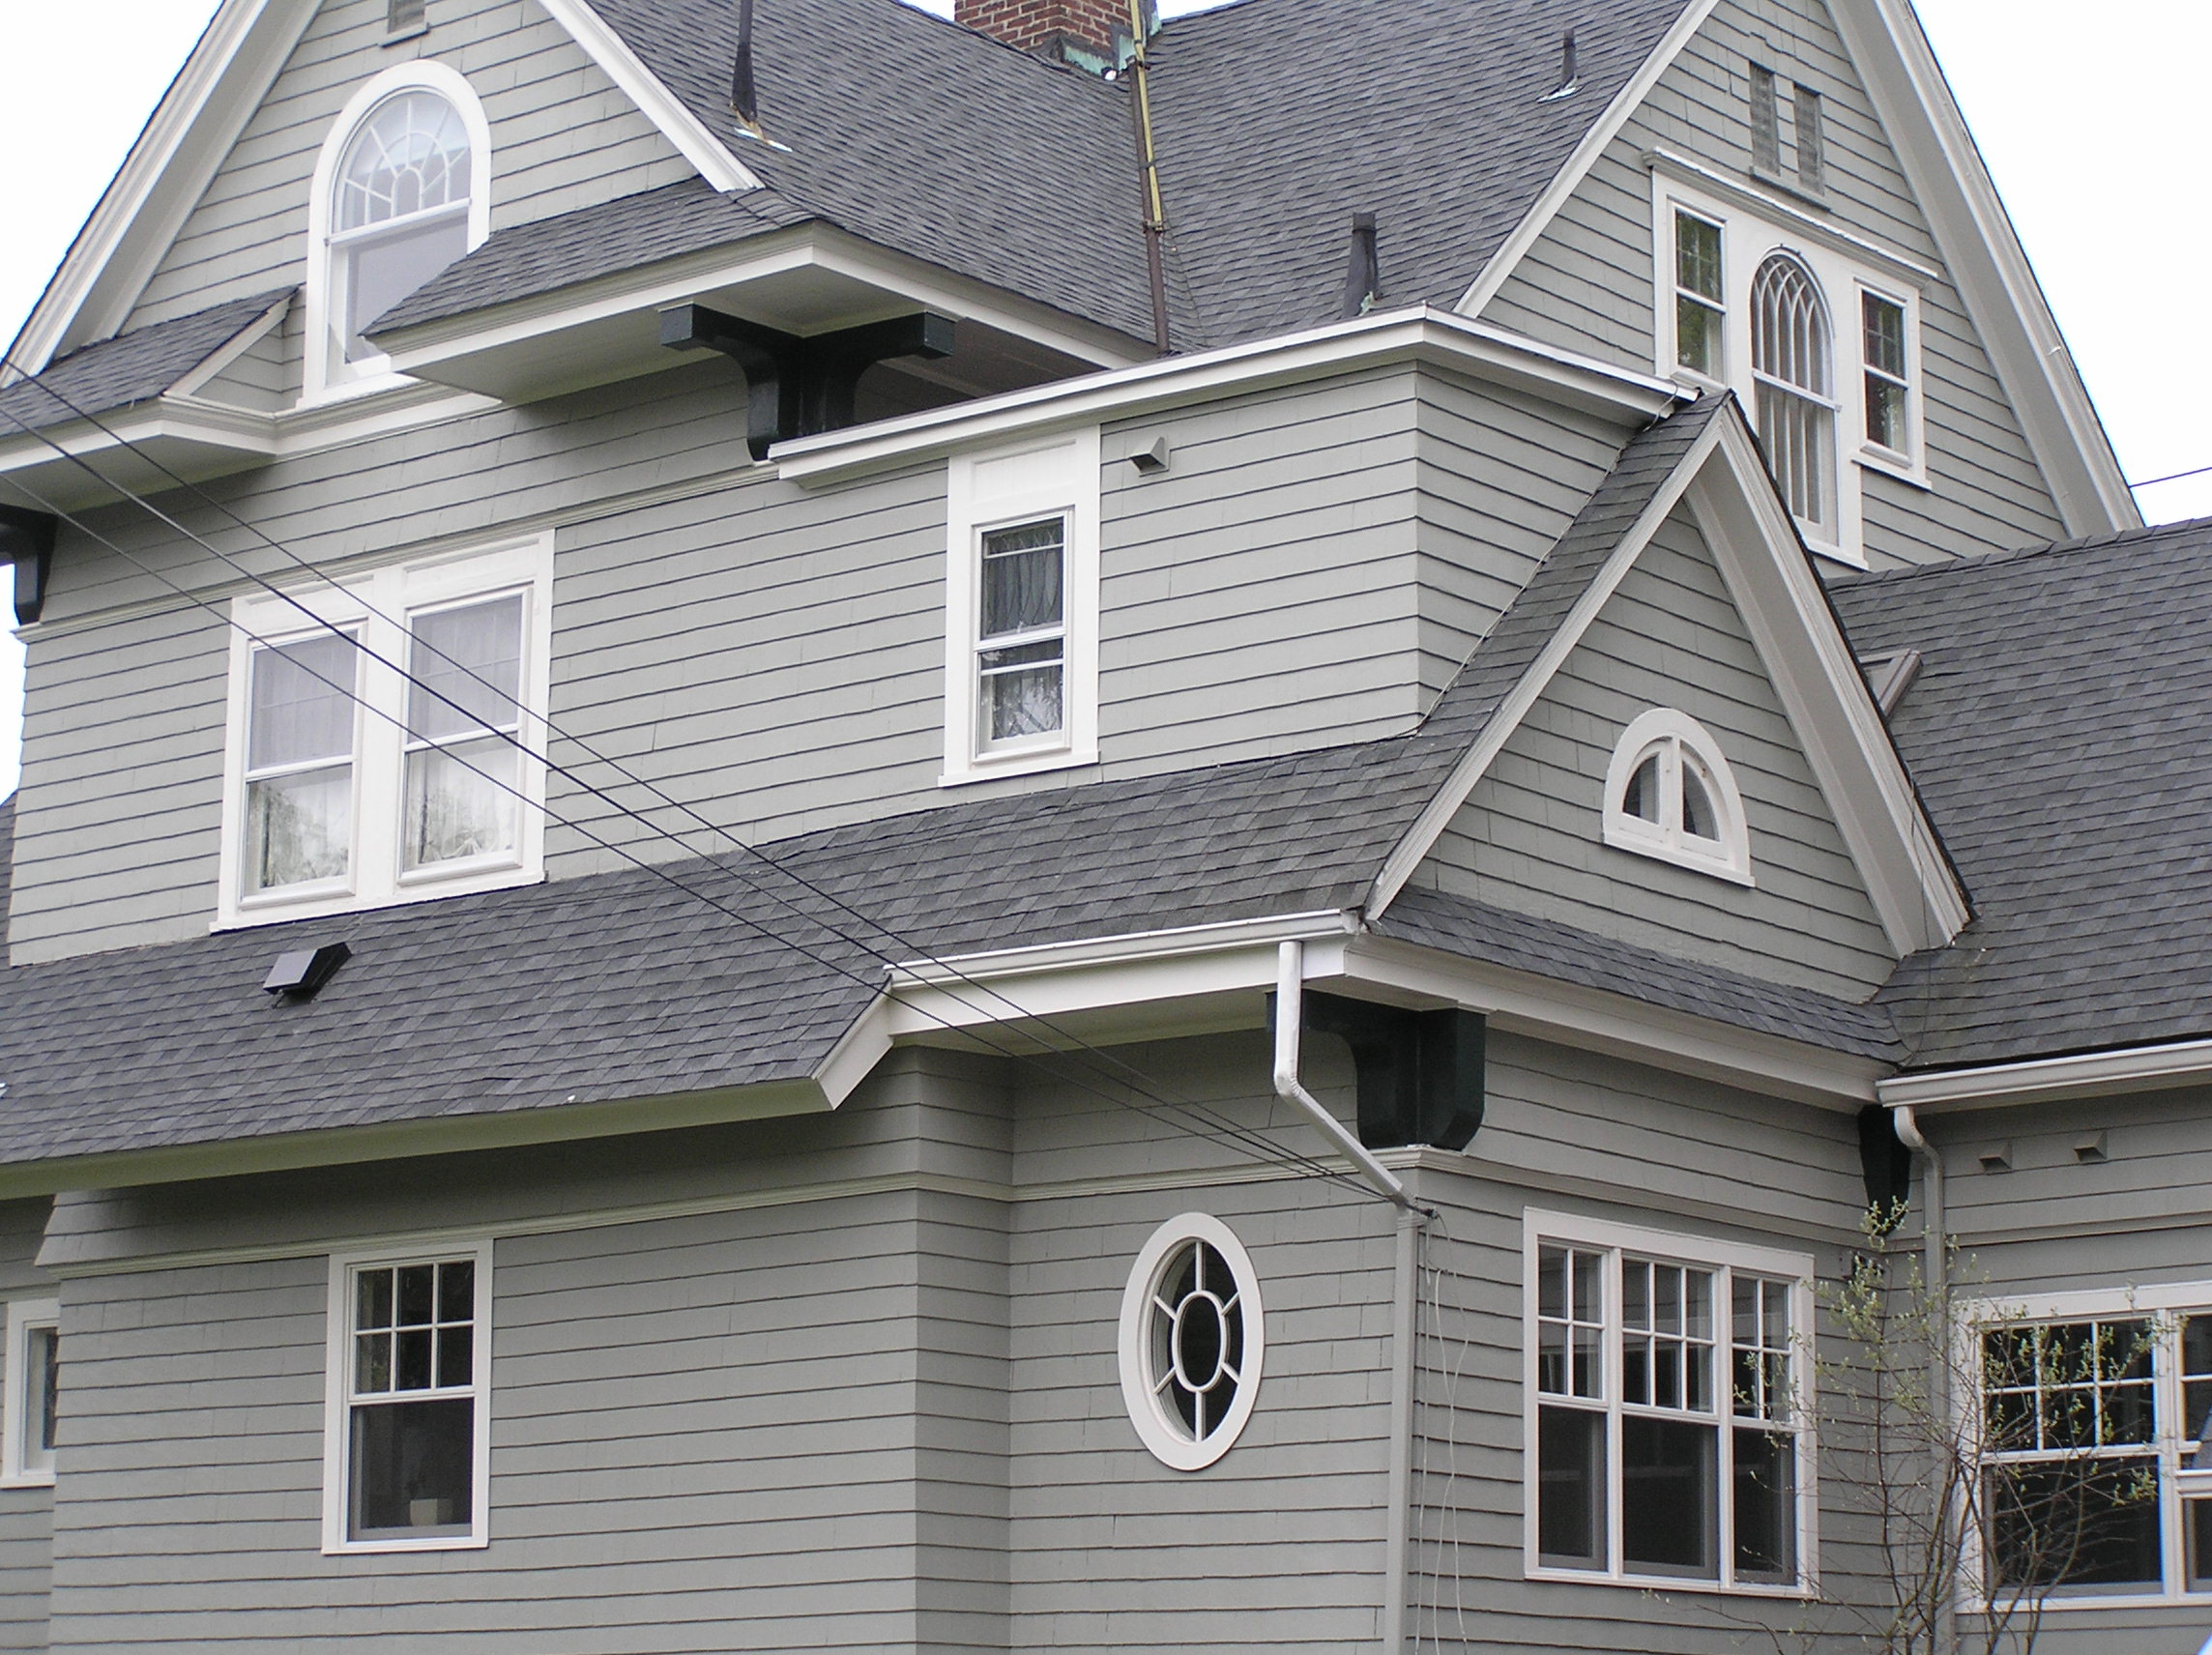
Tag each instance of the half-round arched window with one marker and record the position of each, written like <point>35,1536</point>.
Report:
<point>1669,793</point>
<point>1791,362</point>
<point>401,193</point>
<point>1192,1338</point>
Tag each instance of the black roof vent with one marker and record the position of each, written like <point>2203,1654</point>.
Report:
<point>299,975</point>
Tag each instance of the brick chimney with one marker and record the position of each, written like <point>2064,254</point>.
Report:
<point>1090,34</point>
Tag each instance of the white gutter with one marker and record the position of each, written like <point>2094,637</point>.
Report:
<point>2053,1080</point>
<point>1290,1004</point>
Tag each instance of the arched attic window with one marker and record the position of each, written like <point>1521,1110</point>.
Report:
<point>1670,794</point>
<point>1790,358</point>
<point>402,191</point>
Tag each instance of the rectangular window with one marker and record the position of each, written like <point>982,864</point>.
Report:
<point>1766,122</point>
<point>380,757</point>
<point>1700,302</point>
<point>1022,610</point>
<point>1887,375</point>
<point>1666,1407</point>
<point>1812,141</point>
<point>30,1405</point>
<point>407,1454</point>
<point>402,16</point>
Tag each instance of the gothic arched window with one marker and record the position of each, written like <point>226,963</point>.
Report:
<point>1790,361</point>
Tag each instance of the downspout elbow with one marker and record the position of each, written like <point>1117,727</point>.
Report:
<point>1290,1014</point>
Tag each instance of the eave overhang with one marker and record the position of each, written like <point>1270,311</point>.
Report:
<point>1418,334</point>
<point>805,279</point>
<point>2166,1065</point>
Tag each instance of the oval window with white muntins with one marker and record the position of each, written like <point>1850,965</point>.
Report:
<point>1192,1338</point>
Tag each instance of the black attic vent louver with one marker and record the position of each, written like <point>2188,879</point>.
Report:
<point>296,975</point>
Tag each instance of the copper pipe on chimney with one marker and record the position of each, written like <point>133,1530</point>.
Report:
<point>1148,160</point>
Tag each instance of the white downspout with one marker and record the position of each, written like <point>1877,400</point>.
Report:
<point>1290,1014</point>
<point>1935,1276</point>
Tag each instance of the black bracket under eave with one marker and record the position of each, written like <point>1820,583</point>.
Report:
<point>1885,1163</point>
<point>1418,1074</point>
<point>802,385</point>
<point>27,542</point>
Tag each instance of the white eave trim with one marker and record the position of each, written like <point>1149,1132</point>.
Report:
<point>1987,264</point>
<point>190,131</point>
<point>663,107</point>
<point>2054,1079</point>
<point>1418,332</point>
<point>1569,177</point>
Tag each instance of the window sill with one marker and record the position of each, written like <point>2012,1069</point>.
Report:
<point>991,768</point>
<point>1711,866</point>
<point>28,1480</point>
<point>424,889</point>
<point>1888,462</point>
<point>1817,199</point>
<point>400,37</point>
<point>429,1543</point>
<point>1800,1593</point>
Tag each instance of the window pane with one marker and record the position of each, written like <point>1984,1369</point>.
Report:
<point>2086,1524</point>
<point>456,1355</point>
<point>1798,436</point>
<point>410,155</point>
<point>1669,1516</point>
<point>1641,799</point>
<point>471,658</point>
<point>2200,1546</point>
<point>373,1362</point>
<point>1884,334</point>
<point>458,1291</point>
<point>412,1370</point>
<point>1812,146</point>
<point>1570,1488</point>
<point>1699,821</point>
<point>42,1417</point>
<point>372,1298</point>
<point>1698,257</point>
<point>383,270</point>
<point>1765,124</point>
<point>302,705</point>
<point>413,1467</point>
<point>1021,691</point>
<point>298,827</point>
<point>1765,1505</point>
<point>416,1286</point>
<point>1697,336</point>
<point>1022,578</point>
<point>461,803</point>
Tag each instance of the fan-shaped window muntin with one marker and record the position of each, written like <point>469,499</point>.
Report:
<point>1793,371</point>
<point>1192,1340</point>
<point>1670,794</point>
<point>402,209</point>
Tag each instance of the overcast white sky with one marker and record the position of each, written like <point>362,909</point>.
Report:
<point>2094,135</point>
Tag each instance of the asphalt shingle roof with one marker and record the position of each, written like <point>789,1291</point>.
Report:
<point>617,986</point>
<point>2059,730</point>
<point>131,368</point>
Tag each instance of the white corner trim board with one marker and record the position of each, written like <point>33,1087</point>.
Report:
<point>659,105</point>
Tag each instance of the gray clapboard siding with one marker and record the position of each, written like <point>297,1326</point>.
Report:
<point>1588,280</point>
<point>1529,836</point>
<point>563,136</point>
<point>774,658</point>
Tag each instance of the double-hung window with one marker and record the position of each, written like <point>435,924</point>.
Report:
<point>383,746</point>
<point>1667,1408</point>
<point>1022,609</point>
<point>2094,1447</point>
<point>30,1407</point>
<point>407,1450</point>
<point>1816,331</point>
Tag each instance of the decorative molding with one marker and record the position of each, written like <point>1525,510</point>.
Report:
<point>1775,210</point>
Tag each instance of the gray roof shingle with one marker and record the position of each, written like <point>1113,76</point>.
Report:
<point>131,368</point>
<point>2058,730</point>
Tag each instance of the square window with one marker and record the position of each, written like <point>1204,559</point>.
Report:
<point>1679,1448</point>
<point>407,1451</point>
<point>379,748</point>
<point>30,1405</point>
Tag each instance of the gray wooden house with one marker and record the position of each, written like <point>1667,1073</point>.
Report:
<point>843,832</point>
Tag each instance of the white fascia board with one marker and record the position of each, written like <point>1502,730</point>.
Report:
<point>1895,847</point>
<point>2054,1079</point>
<point>1429,827</point>
<point>907,283</point>
<point>659,105</point>
<point>1770,206</point>
<point>162,180</point>
<point>1417,333</point>
<point>955,968</point>
<point>1569,177</point>
<point>1587,1019</point>
<point>1981,251</point>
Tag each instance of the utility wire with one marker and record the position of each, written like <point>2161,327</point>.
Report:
<point>1144,1084</point>
<point>2176,476</point>
<point>914,950</point>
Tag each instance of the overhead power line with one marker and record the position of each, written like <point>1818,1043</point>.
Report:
<point>2175,476</point>
<point>1213,1125</point>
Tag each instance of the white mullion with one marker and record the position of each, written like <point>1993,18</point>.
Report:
<point>1723,1294</point>
<point>1612,1391</point>
<point>2169,1419</point>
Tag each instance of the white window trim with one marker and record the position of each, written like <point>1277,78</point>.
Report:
<point>374,878</point>
<point>1539,1227</point>
<point>1747,239</point>
<point>2161,1301</point>
<point>338,1434</point>
<point>995,489</point>
<point>1730,858</point>
<point>325,378</point>
<point>24,1317</point>
<point>1166,1444</point>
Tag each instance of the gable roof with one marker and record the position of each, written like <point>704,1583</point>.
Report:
<point>2058,728</point>
<point>137,367</point>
